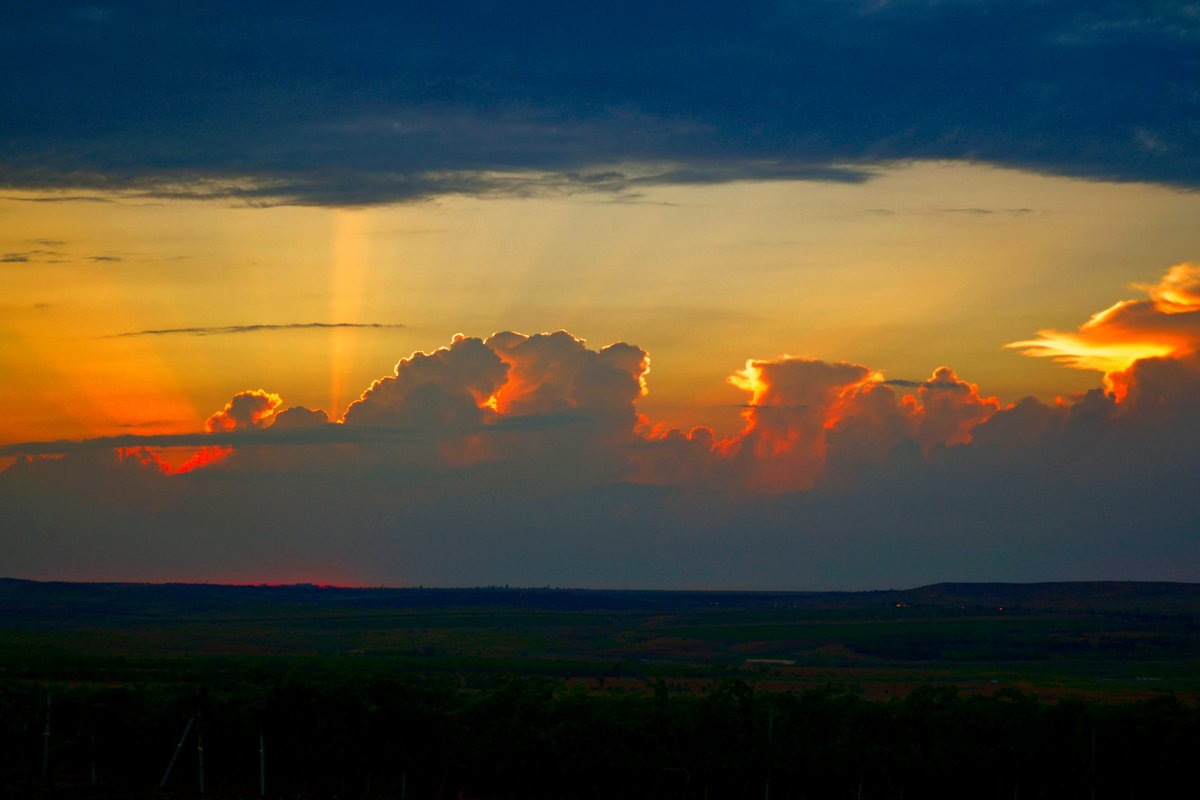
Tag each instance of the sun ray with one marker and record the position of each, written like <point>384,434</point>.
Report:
<point>351,259</point>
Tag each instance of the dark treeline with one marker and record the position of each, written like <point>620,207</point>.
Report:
<point>332,733</point>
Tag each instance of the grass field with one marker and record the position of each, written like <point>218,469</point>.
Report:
<point>1050,690</point>
<point>1107,640</point>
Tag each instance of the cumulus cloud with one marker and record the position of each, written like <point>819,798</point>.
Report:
<point>555,372</point>
<point>446,388</point>
<point>507,378</point>
<point>792,403</point>
<point>299,418</point>
<point>247,410</point>
<point>524,459</point>
<point>805,413</point>
<point>1160,391</point>
<point>950,409</point>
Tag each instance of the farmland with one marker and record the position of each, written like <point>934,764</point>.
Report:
<point>497,668</point>
<point>1117,640</point>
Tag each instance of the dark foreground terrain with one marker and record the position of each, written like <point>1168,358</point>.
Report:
<point>953,690</point>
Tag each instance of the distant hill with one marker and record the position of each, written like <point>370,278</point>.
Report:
<point>30,603</point>
<point>1159,596</point>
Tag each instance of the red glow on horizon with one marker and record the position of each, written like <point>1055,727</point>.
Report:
<point>202,458</point>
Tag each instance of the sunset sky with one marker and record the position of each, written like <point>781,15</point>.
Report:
<point>780,295</point>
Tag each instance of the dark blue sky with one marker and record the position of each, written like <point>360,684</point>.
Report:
<point>359,103</point>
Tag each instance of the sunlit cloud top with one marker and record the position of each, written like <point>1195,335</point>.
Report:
<point>1167,324</point>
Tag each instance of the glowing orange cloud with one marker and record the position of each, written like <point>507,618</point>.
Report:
<point>806,420</point>
<point>793,402</point>
<point>797,382</point>
<point>949,409</point>
<point>802,413</point>
<point>1165,325</point>
<point>247,410</point>
<point>252,409</point>
<point>1179,290</point>
<point>806,413</point>
<point>553,372</point>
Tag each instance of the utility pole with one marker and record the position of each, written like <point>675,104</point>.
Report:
<point>46,741</point>
<point>770,734</point>
<point>175,755</point>
<point>200,756</point>
<point>1093,760</point>
<point>262,766</point>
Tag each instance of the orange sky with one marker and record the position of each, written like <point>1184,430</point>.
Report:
<point>927,264</point>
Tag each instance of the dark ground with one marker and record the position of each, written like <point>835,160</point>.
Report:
<point>481,671</point>
<point>1115,640</point>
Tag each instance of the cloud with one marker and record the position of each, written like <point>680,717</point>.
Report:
<point>556,372</point>
<point>218,330</point>
<point>547,98</point>
<point>807,414</point>
<point>792,402</point>
<point>1179,289</point>
<point>247,410</point>
<point>950,409</point>
<point>299,418</point>
<point>1163,392</point>
<point>1166,325</point>
<point>982,212</point>
<point>446,388</point>
<point>57,197</point>
<point>524,459</point>
<point>30,256</point>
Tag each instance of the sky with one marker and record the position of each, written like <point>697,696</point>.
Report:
<point>817,295</point>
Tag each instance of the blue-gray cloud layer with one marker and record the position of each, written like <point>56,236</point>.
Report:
<point>1089,503</point>
<point>1097,490</point>
<point>345,104</point>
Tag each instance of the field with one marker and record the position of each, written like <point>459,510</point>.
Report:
<point>145,658</point>
<point>1116,640</point>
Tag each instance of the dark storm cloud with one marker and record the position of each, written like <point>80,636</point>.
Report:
<point>228,329</point>
<point>1081,500</point>
<point>550,476</point>
<point>318,105</point>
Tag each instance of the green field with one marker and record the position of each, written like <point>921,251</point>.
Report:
<point>1050,690</point>
<point>1090,640</point>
